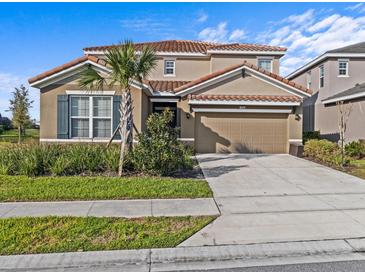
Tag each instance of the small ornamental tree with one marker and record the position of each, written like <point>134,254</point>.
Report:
<point>19,106</point>
<point>343,111</point>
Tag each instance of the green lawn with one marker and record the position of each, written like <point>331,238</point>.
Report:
<point>65,234</point>
<point>358,168</point>
<point>11,136</point>
<point>22,188</point>
<point>30,132</point>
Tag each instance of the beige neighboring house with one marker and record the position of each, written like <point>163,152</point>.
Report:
<point>225,97</point>
<point>337,75</point>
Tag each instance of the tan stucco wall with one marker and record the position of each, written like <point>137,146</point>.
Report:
<point>324,118</point>
<point>186,69</point>
<point>295,124</point>
<point>219,61</point>
<point>326,121</point>
<point>48,108</point>
<point>238,85</point>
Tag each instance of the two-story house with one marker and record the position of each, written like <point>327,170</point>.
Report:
<point>226,98</point>
<point>337,75</point>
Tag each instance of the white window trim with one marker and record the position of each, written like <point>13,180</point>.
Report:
<point>164,67</point>
<point>347,67</point>
<point>268,58</point>
<point>319,71</point>
<point>90,117</point>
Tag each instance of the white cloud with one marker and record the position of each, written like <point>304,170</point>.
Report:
<point>299,19</point>
<point>220,34</point>
<point>360,8</point>
<point>202,17</point>
<point>324,23</point>
<point>310,34</point>
<point>237,35</point>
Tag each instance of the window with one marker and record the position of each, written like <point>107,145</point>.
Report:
<point>343,67</point>
<point>91,116</point>
<point>309,79</point>
<point>321,76</point>
<point>265,64</point>
<point>169,67</point>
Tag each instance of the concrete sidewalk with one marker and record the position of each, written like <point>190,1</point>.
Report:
<point>190,258</point>
<point>117,208</point>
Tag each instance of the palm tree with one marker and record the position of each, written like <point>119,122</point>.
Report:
<point>126,65</point>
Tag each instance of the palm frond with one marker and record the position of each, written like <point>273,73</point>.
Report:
<point>146,63</point>
<point>91,80</point>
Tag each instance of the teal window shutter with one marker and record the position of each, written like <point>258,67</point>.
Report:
<point>116,114</point>
<point>62,117</point>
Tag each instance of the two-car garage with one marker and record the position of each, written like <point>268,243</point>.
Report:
<point>217,132</point>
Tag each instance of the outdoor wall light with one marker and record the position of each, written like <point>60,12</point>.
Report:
<point>297,117</point>
<point>187,115</point>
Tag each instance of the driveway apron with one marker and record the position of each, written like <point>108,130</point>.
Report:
<point>279,198</point>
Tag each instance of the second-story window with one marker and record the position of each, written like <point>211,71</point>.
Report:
<point>343,67</point>
<point>169,67</point>
<point>309,79</point>
<point>321,76</point>
<point>265,63</point>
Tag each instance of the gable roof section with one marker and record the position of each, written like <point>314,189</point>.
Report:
<point>355,50</point>
<point>71,64</point>
<point>189,87</point>
<point>358,91</point>
<point>197,47</point>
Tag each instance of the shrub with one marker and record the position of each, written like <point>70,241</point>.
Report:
<point>324,151</point>
<point>56,159</point>
<point>2,129</point>
<point>355,149</point>
<point>158,151</point>
<point>310,135</point>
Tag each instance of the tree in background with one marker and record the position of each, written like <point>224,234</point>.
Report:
<point>19,106</point>
<point>126,65</point>
<point>343,114</point>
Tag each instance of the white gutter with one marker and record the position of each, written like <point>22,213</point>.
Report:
<point>320,59</point>
<point>239,110</point>
<point>344,98</point>
<point>241,103</point>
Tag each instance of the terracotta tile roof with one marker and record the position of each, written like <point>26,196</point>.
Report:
<point>66,66</point>
<point>246,47</point>
<point>246,64</point>
<point>193,46</point>
<point>265,98</point>
<point>165,86</point>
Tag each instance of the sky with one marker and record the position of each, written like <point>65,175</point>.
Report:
<point>35,37</point>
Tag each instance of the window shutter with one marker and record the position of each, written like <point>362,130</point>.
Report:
<point>116,114</point>
<point>62,117</point>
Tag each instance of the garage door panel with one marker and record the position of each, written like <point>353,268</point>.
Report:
<point>241,132</point>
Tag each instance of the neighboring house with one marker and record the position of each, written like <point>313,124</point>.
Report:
<point>226,98</point>
<point>337,75</point>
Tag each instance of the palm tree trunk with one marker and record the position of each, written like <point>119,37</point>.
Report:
<point>125,126</point>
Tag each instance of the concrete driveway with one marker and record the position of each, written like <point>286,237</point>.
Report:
<point>279,198</point>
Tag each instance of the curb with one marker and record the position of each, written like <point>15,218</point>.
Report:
<point>188,258</point>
